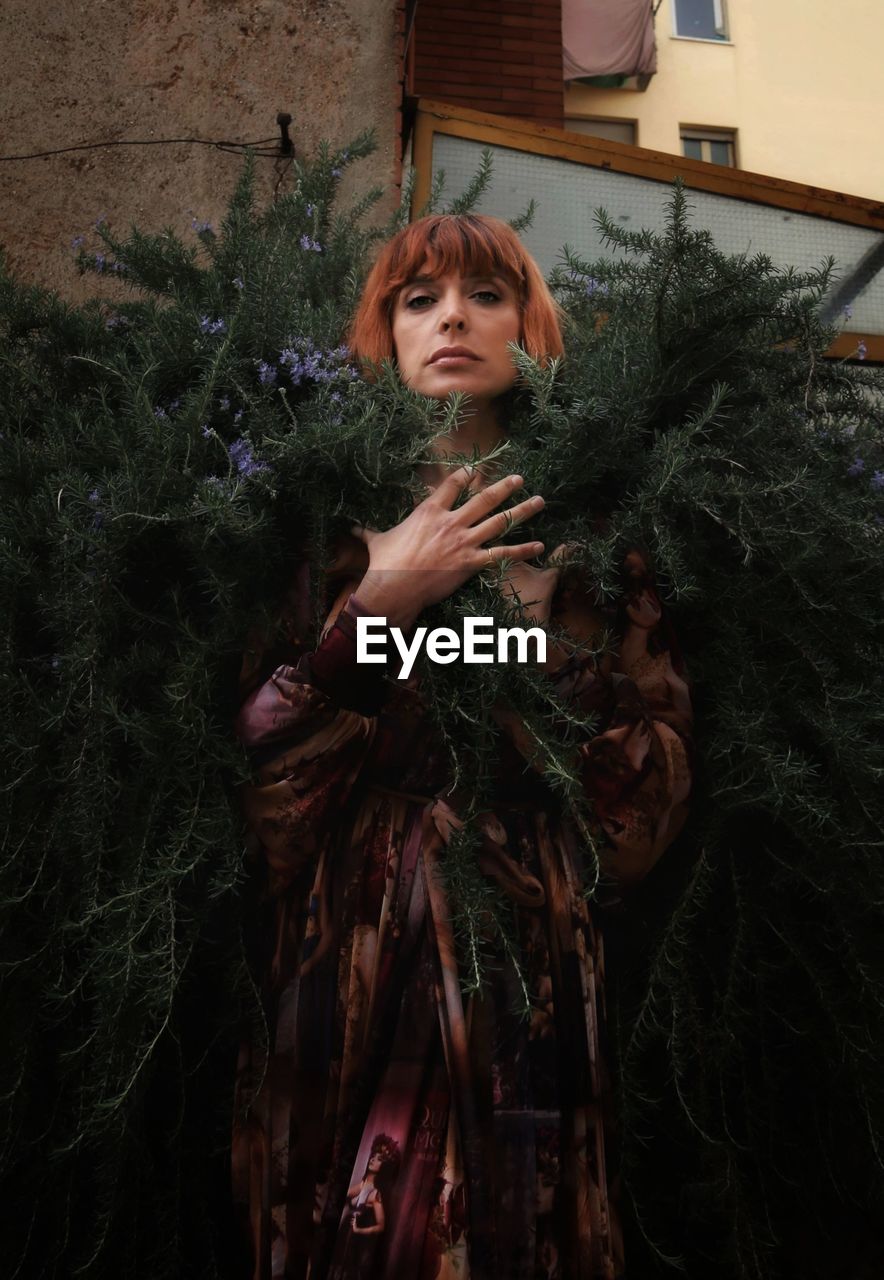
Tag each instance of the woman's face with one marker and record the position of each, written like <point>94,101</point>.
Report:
<point>475,315</point>
<point>375,1164</point>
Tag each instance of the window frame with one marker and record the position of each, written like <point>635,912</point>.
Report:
<point>709,133</point>
<point>624,120</point>
<point>720,17</point>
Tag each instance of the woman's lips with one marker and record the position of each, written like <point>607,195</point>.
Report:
<point>452,355</point>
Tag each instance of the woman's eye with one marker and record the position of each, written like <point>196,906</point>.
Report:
<point>416,303</point>
<point>486,294</point>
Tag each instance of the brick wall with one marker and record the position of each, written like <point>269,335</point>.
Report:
<point>501,56</point>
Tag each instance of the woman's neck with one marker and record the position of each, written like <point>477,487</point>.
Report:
<point>477,432</point>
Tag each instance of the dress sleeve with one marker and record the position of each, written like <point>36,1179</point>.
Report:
<point>307,719</point>
<point>636,770</point>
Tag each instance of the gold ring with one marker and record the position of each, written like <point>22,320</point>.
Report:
<point>491,560</point>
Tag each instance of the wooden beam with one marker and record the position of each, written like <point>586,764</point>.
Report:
<point>658,166</point>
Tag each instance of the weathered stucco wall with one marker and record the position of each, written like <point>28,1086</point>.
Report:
<point>105,70</point>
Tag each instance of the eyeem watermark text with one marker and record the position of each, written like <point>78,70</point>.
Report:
<point>481,641</point>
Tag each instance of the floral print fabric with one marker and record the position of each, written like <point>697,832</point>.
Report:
<point>393,1128</point>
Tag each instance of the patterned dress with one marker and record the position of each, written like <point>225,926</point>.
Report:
<point>483,1134</point>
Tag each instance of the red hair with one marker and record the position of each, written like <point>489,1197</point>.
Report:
<point>466,244</point>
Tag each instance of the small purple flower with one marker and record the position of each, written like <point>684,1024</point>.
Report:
<point>99,261</point>
<point>857,467</point>
<point>224,404</point>
<point>175,405</point>
<point>877,481</point>
<point>244,460</point>
<point>77,242</point>
<point>200,227</point>
<point>119,268</point>
<point>237,417</point>
<point>336,397</point>
<point>266,374</point>
<point>848,311</point>
<point>593,286</point>
<point>114,322</point>
<point>212,326</point>
<point>310,210</point>
<point>94,497</point>
<point>160,413</point>
<point>237,282</point>
<point>861,350</point>
<point>55,663</point>
<point>100,221</point>
<point>206,431</point>
<point>336,173</point>
<point>307,244</point>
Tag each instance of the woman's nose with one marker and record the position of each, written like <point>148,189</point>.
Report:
<point>452,314</point>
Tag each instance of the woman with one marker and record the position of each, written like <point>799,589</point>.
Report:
<point>500,1122</point>
<point>363,1217</point>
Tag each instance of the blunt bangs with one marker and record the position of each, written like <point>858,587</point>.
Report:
<point>462,246</point>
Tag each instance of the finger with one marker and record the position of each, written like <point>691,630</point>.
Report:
<point>454,484</point>
<point>563,553</point>
<point>363,534</point>
<point>487,499</point>
<point>497,525</point>
<point>524,551</point>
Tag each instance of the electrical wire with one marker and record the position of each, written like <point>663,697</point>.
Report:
<point>236,148</point>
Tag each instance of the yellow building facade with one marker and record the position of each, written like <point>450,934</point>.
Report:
<point>788,88</point>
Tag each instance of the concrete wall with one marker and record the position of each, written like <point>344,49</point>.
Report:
<point>103,70</point>
<point>800,82</point>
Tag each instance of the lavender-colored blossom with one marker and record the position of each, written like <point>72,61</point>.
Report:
<point>99,261</point>
<point>55,663</point>
<point>848,311</point>
<point>160,413</point>
<point>266,374</point>
<point>308,244</point>
<point>175,405</point>
<point>237,282</point>
<point>114,322</point>
<point>200,227</point>
<point>206,431</point>
<point>857,467</point>
<point>240,453</point>
<point>310,210</point>
<point>237,417</point>
<point>100,221</point>
<point>861,350</point>
<point>94,497</point>
<point>208,325</point>
<point>877,480</point>
<point>77,242</point>
<point>224,404</point>
<point>593,286</point>
<point>336,173</point>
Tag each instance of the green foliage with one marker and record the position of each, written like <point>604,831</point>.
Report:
<point>164,462</point>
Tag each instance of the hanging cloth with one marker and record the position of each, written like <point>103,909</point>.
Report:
<point>608,38</point>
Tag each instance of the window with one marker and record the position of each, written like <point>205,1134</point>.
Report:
<point>700,19</point>
<point>616,130</point>
<point>715,146</point>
